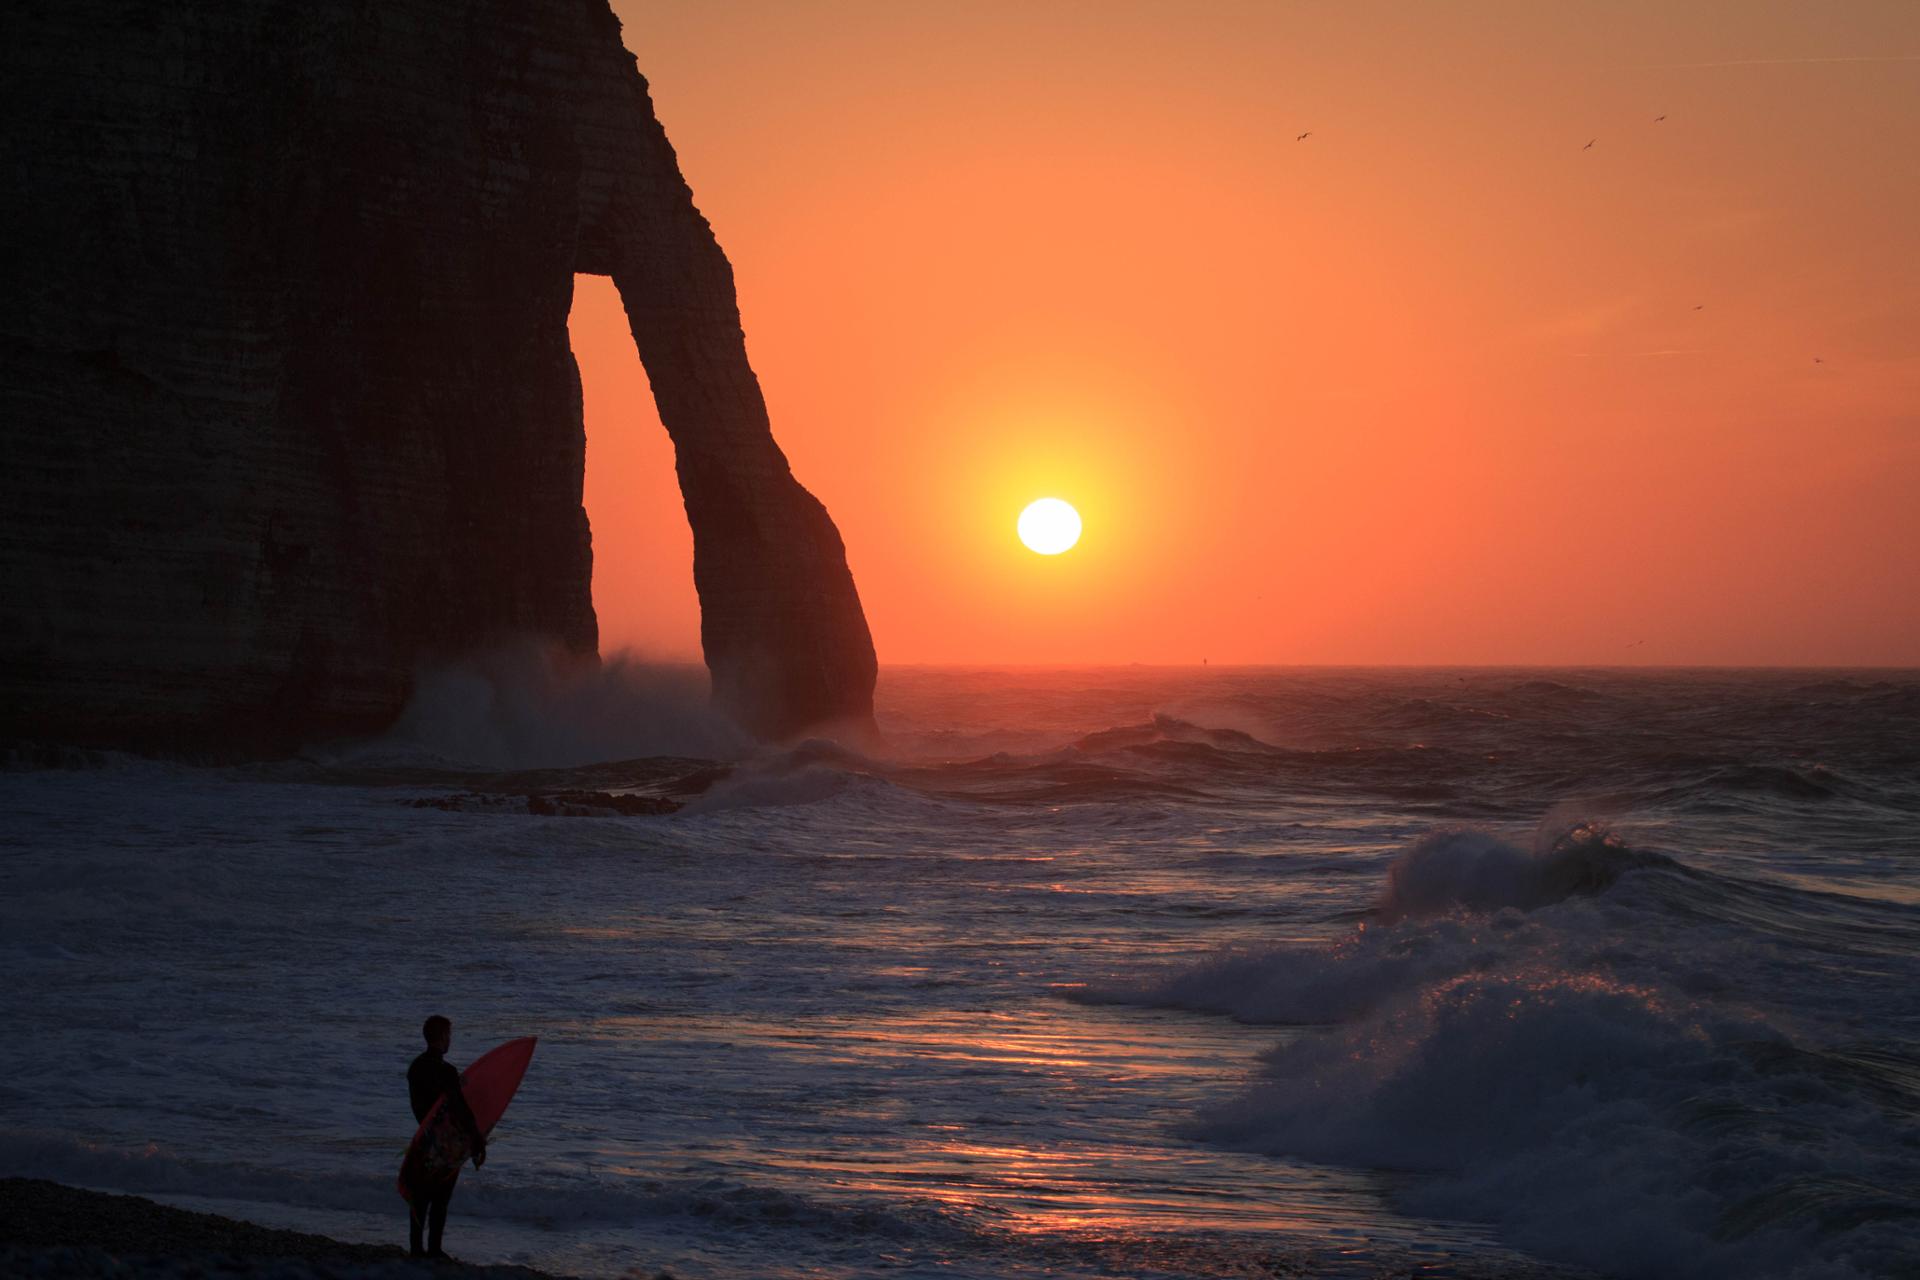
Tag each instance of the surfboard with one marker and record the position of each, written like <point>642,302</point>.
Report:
<point>440,1145</point>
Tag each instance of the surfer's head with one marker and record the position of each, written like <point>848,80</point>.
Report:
<point>439,1033</point>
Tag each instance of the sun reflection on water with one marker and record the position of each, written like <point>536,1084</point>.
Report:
<point>1061,1069</point>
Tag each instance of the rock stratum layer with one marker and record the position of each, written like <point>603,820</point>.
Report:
<point>286,396</point>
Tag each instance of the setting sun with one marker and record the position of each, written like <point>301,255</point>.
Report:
<point>1049,526</point>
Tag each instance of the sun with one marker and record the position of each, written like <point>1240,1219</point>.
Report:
<point>1049,526</point>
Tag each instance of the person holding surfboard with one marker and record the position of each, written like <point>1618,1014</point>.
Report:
<point>456,1111</point>
<point>430,1079</point>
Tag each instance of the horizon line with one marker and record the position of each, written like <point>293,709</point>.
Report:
<point>1408,666</point>
<point>1062,665</point>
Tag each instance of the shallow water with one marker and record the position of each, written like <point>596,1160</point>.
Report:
<point>1099,972</point>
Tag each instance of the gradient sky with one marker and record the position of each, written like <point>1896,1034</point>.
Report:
<point>1435,385</point>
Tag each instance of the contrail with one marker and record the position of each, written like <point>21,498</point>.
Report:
<point>1780,62</point>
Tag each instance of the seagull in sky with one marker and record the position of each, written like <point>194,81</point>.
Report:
<point>1590,142</point>
<point>1303,137</point>
<point>1658,119</point>
<point>1700,306</point>
<point>1818,360</point>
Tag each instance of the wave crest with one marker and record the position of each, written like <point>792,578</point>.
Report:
<point>1469,870</point>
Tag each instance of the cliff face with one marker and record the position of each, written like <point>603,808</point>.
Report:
<point>285,391</point>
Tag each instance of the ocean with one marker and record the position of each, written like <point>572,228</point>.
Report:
<point>1133,971</point>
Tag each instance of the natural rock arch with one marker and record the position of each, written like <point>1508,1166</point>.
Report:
<point>288,401</point>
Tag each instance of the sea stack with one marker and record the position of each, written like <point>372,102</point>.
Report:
<point>286,397</point>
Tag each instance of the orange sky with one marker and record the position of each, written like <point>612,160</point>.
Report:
<point>1428,387</point>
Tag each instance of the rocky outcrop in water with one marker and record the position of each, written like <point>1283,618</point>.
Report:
<point>286,399</point>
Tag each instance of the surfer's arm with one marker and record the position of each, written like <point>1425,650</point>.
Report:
<point>420,1092</point>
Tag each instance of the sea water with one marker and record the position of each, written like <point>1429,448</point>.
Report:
<point>1111,972</point>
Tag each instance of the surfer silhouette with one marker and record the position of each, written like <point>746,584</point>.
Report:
<point>430,1078</point>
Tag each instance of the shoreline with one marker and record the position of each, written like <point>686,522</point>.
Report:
<point>54,1230</point>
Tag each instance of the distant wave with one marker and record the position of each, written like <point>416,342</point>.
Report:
<point>1474,754</point>
<point>1170,759</point>
<point>761,785</point>
<point>1814,782</point>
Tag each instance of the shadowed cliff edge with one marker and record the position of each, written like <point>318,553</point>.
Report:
<point>285,388</point>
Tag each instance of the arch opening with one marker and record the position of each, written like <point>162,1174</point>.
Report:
<point>643,589</point>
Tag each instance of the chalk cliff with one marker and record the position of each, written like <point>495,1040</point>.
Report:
<point>286,399</point>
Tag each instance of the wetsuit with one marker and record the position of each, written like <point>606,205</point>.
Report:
<point>430,1076</point>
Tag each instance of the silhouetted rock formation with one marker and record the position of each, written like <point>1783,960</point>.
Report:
<point>285,391</point>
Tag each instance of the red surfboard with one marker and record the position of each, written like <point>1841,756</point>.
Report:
<point>440,1145</point>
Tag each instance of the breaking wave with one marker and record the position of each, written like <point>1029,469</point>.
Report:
<point>1575,1043</point>
<point>1469,870</point>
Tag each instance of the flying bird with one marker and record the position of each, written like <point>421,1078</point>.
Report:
<point>1658,119</point>
<point>1699,306</point>
<point>1303,137</point>
<point>1590,143</point>
<point>1818,360</point>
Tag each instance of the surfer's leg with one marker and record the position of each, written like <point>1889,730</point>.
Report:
<point>437,1218</point>
<point>416,1215</point>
